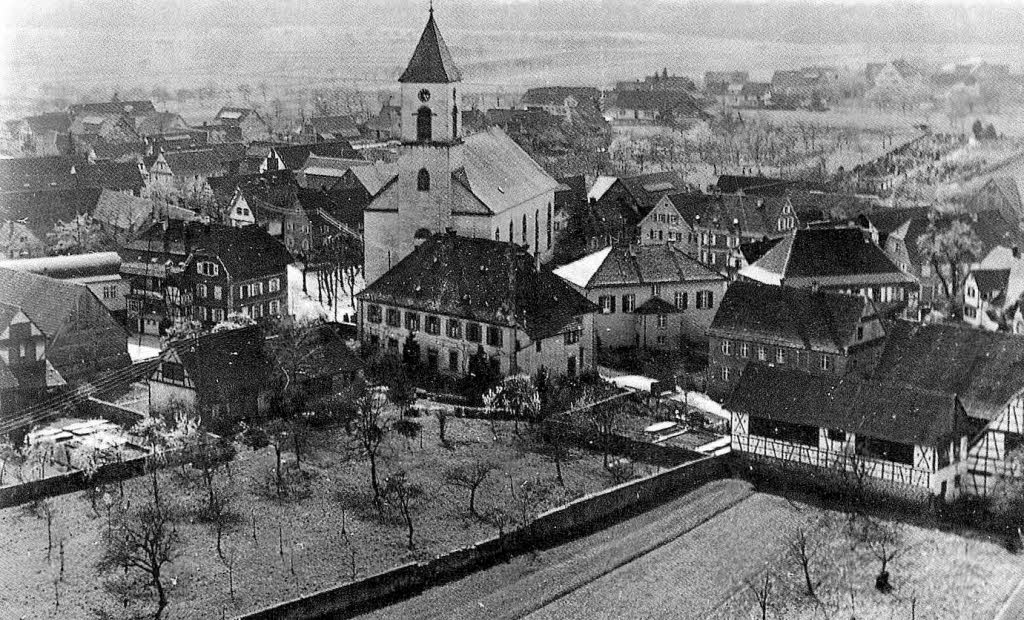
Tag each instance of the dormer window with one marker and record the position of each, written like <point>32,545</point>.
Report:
<point>207,268</point>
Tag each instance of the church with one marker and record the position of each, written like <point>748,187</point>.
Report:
<point>481,186</point>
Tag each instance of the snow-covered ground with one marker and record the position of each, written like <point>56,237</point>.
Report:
<point>306,306</point>
<point>698,400</point>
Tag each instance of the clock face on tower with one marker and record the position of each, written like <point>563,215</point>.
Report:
<point>424,95</point>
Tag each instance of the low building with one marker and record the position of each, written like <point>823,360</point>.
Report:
<point>653,107</point>
<point>99,271</point>
<point>82,337</point>
<point>812,331</point>
<point>999,193</point>
<point>903,440</point>
<point>221,376</point>
<point>243,125</point>
<point>455,298</point>
<point>843,260</point>
<point>654,297</point>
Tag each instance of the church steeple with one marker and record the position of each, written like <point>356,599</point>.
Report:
<point>431,63</point>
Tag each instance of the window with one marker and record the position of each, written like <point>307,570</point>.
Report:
<point>473,332</point>
<point>433,356</point>
<point>549,226</point>
<point>784,431</point>
<point>424,118</point>
<point>274,285</point>
<point>423,180</point>
<point>570,366</point>
<point>607,304</point>
<point>393,318</point>
<point>218,313</point>
<point>524,228</point>
<point>727,347</point>
<point>412,321</point>
<point>494,336</point>
<point>762,354</point>
<point>433,325</point>
<point>173,372</point>
<point>860,332</point>
<point>393,344</point>
<point>662,321</point>
<point>780,356</point>
<point>454,329</point>
<point>539,346</point>
<point>243,291</point>
<point>725,373</point>
<point>497,234</point>
<point>744,349</point>
<point>886,450</point>
<point>681,300</point>
<point>453,361</point>
<point>826,362</point>
<point>206,268</point>
<point>656,290</point>
<point>662,339</point>
<point>373,313</point>
<point>628,303</point>
<point>970,312</point>
<point>572,337</point>
<point>1011,443</point>
<point>834,434</point>
<point>257,288</point>
<point>218,292</point>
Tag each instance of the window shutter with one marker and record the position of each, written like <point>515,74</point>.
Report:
<point>612,299</point>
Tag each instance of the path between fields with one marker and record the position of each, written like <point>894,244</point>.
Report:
<point>528,582</point>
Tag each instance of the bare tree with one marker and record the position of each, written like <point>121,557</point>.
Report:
<point>886,544</point>
<point>470,475</point>
<point>143,540</point>
<point>402,494</point>
<point>370,428</point>
<point>762,591</point>
<point>803,550</point>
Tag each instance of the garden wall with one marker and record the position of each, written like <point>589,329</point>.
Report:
<point>105,474</point>
<point>122,416</point>
<point>548,528</point>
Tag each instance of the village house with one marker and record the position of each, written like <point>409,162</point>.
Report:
<point>98,271</point>
<point>83,339</point>
<point>992,291</point>
<point>902,440</point>
<point>455,298</point>
<point>984,369</point>
<point>327,365</point>
<point>331,128</point>
<point>184,272</point>
<point>35,214</point>
<point>121,216</point>
<point>221,376</point>
<point>813,331</point>
<point>160,124</point>
<point>325,172</point>
<point>482,185</point>
<point>741,95</point>
<point>129,109</point>
<point>111,128</point>
<point>711,227</point>
<point>242,125</point>
<point>810,87</point>
<point>41,135</point>
<point>998,193</point>
<point>26,375</point>
<point>842,260</point>
<point>651,297</point>
<point>387,124</point>
<point>186,173</point>
<point>653,107</point>
<point>567,103</point>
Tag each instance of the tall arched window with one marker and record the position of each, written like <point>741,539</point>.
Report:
<point>423,180</point>
<point>424,118</point>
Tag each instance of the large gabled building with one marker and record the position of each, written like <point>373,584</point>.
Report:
<point>457,297</point>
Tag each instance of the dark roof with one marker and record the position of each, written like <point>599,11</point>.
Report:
<point>119,176</point>
<point>41,210</point>
<point>25,173</point>
<point>205,161</point>
<point>123,211</point>
<point>130,108</point>
<point>342,126</point>
<point>661,101</point>
<point>754,215</point>
<point>991,281</point>
<point>50,121</point>
<point>294,156</point>
<point>328,355</point>
<point>483,280</point>
<point>732,184</point>
<point>557,94</point>
<point>345,205</point>
<point>246,252</point>
<point>225,361</point>
<point>792,316</point>
<point>275,186</point>
<point>645,264</point>
<point>985,369</point>
<point>753,250</point>
<point>828,253</point>
<point>888,411</point>
<point>431,62</point>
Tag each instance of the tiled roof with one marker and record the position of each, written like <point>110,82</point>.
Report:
<point>225,361</point>
<point>431,62</point>
<point>645,264</point>
<point>159,123</point>
<point>130,108</point>
<point>246,252</point>
<point>122,211</point>
<point>51,121</point>
<point>731,184</point>
<point>342,126</point>
<point>547,95</point>
<point>752,251</point>
<point>986,369</point>
<point>661,101</point>
<point>786,315</point>
<point>500,173</point>
<point>753,215</point>
<point>41,210</point>
<point>120,176</point>
<point>330,166</point>
<point>35,173</point>
<point>345,205</point>
<point>828,253</point>
<point>204,161</point>
<point>276,187</point>
<point>483,280</point>
<point>294,156</point>
<point>991,281</point>
<point>375,176</point>
<point>888,411</point>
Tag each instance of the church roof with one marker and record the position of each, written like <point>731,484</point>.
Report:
<point>499,173</point>
<point>431,63</point>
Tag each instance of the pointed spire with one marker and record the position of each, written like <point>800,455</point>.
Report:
<point>431,62</point>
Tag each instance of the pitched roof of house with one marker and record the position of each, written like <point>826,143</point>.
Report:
<point>293,156</point>
<point>158,123</point>
<point>225,361</point>
<point>889,411</point>
<point>131,108</point>
<point>41,210</point>
<point>732,184</point>
<point>791,316</point>
<point>636,265</point>
<point>122,211</point>
<point>992,283</point>
<point>338,126</point>
<point>431,62</point>
<point>985,369</point>
<point>375,176</point>
<point>827,255</point>
<point>233,117</point>
<point>344,205</point>
<point>754,250</point>
<point>660,101</point>
<point>547,95</point>
<point>35,173</point>
<point>47,301</point>
<point>119,176</point>
<point>1006,187</point>
<point>327,355</point>
<point>317,165</point>
<point>274,186</point>
<point>50,121</point>
<point>753,215</point>
<point>483,280</point>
